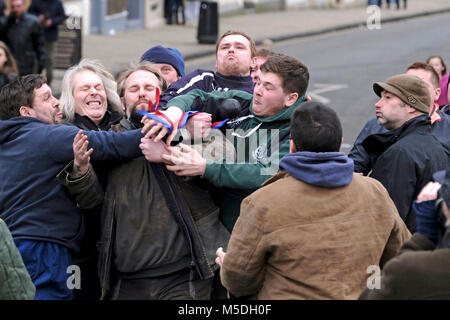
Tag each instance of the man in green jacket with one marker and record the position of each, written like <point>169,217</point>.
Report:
<point>261,139</point>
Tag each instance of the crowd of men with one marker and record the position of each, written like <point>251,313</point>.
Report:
<point>221,183</point>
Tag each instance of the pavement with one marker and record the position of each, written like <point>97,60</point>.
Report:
<point>117,51</point>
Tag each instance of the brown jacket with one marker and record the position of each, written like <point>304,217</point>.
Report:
<point>298,241</point>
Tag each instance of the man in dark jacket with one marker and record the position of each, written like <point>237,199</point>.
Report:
<point>404,158</point>
<point>234,53</point>
<point>440,119</point>
<point>24,35</point>
<point>158,238</point>
<point>51,14</point>
<point>421,270</point>
<point>45,222</point>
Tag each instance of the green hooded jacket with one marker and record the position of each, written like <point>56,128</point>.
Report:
<point>260,143</point>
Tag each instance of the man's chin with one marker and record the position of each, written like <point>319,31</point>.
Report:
<point>135,119</point>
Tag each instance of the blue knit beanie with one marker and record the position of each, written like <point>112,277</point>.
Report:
<point>159,54</point>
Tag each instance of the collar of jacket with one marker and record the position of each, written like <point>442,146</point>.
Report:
<point>376,144</point>
<point>109,119</point>
<point>445,109</point>
<point>239,78</point>
<point>284,114</point>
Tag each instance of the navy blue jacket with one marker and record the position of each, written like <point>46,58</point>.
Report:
<point>51,9</point>
<point>440,129</point>
<point>404,160</point>
<point>206,80</point>
<point>33,203</point>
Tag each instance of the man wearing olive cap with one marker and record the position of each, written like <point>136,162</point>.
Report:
<point>404,158</point>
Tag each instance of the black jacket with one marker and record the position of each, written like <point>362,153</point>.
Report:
<point>403,160</point>
<point>51,9</point>
<point>439,128</point>
<point>417,272</point>
<point>25,37</point>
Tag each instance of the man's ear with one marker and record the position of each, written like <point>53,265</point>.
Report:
<point>292,147</point>
<point>437,94</point>
<point>290,99</point>
<point>26,111</point>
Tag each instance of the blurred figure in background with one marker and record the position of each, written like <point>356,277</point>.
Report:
<point>438,64</point>
<point>8,65</point>
<point>51,14</point>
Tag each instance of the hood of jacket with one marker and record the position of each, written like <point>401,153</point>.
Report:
<point>322,169</point>
<point>8,128</point>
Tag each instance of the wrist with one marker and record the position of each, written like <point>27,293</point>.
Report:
<point>79,170</point>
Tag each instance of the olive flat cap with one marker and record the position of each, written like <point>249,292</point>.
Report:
<point>410,89</point>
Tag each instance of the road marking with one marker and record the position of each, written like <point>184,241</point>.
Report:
<point>322,88</point>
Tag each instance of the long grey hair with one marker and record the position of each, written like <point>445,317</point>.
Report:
<point>67,101</point>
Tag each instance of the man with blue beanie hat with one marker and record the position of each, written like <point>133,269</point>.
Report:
<point>169,61</point>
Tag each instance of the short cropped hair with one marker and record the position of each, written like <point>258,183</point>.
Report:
<point>316,128</point>
<point>67,101</point>
<point>429,68</point>
<point>265,53</point>
<point>293,72</point>
<point>233,32</point>
<point>144,66</point>
<point>18,93</point>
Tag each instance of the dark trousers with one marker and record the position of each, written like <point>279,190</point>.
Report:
<point>181,285</point>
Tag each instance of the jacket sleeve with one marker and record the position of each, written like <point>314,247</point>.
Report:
<point>398,236</point>
<point>107,145</point>
<point>39,45</point>
<point>197,79</point>
<point>86,190</point>
<point>243,268</point>
<point>247,176</point>
<point>358,154</point>
<point>401,185</point>
<point>59,15</point>
<point>198,100</point>
<point>15,282</point>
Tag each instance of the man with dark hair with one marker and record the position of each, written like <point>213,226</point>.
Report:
<point>404,158</point>
<point>304,235</point>
<point>45,222</point>
<point>234,53</point>
<point>421,269</point>
<point>260,139</point>
<point>440,121</point>
<point>24,35</point>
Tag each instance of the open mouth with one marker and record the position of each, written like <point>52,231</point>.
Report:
<point>94,103</point>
